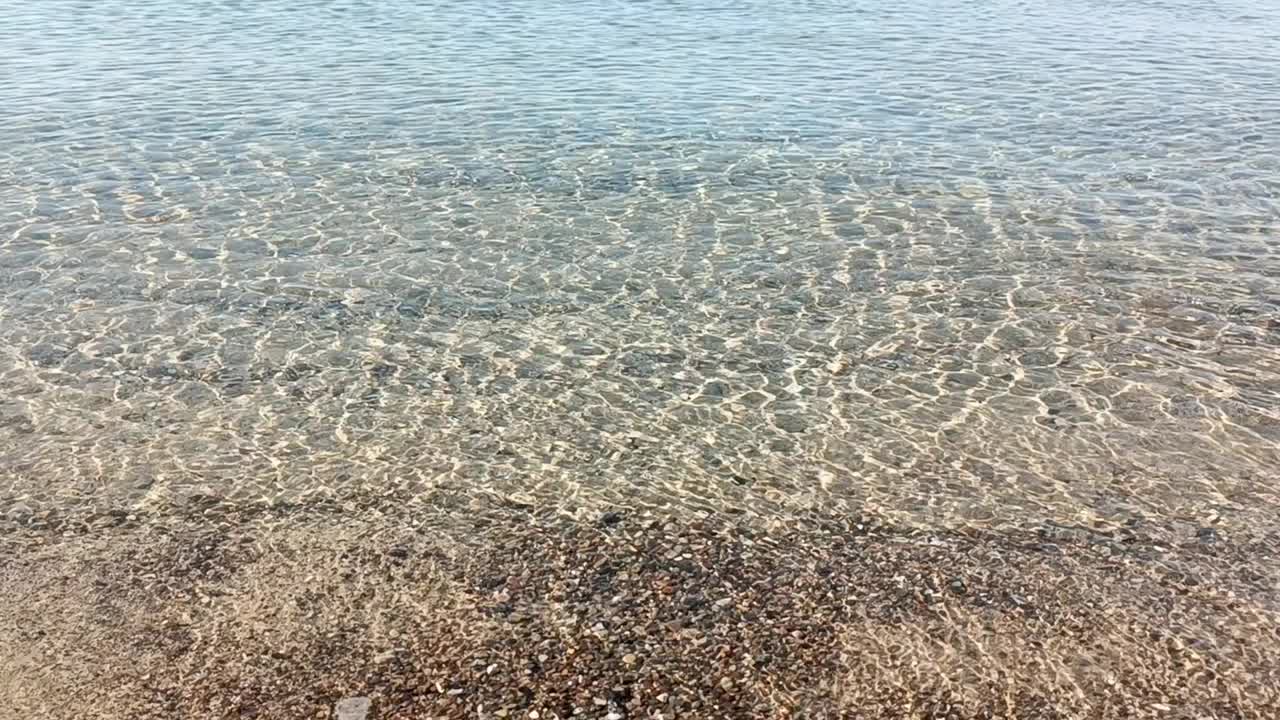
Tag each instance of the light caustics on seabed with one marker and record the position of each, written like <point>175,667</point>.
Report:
<point>953,264</point>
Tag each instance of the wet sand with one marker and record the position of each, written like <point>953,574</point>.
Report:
<point>505,612</point>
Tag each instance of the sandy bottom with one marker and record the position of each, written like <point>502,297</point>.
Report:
<point>514,614</point>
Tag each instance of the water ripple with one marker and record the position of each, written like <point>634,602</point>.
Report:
<point>955,262</point>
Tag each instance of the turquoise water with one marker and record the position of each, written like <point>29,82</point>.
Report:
<point>951,261</point>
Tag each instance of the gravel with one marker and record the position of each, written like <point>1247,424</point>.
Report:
<point>517,615</point>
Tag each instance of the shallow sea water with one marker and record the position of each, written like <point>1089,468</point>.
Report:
<point>955,262</point>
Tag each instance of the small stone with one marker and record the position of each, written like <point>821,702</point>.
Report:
<point>791,423</point>
<point>352,708</point>
<point>726,683</point>
<point>630,659</point>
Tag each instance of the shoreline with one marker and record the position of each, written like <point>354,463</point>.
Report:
<point>514,614</point>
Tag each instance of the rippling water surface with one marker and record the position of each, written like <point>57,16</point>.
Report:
<point>961,262</point>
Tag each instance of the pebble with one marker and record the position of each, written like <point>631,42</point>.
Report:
<point>791,423</point>
<point>352,708</point>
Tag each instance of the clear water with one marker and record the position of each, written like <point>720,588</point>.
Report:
<point>962,262</point>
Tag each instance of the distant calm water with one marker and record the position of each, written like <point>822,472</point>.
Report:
<point>958,261</point>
